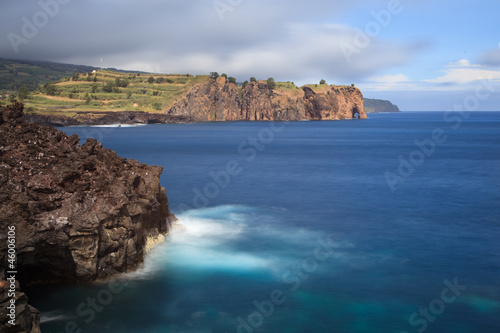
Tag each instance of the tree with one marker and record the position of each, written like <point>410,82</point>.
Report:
<point>94,88</point>
<point>224,75</point>
<point>50,89</point>
<point>252,79</point>
<point>151,80</point>
<point>23,92</point>
<point>322,82</point>
<point>244,84</point>
<point>160,80</point>
<point>231,80</point>
<point>214,75</point>
<point>271,83</point>
<point>76,76</point>
<point>108,87</point>
<point>123,83</point>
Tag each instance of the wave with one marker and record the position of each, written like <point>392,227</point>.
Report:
<point>47,317</point>
<point>118,125</point>
<point>233,239</point>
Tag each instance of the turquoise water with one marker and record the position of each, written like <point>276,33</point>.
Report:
<point>389,224</point>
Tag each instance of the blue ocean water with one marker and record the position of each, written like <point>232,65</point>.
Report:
<point>389,224</point>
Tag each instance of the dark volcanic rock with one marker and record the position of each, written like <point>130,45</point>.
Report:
<point>81,213</point>
<point>106,118</point>
<point>26,316</point>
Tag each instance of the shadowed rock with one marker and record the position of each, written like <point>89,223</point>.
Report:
<point>81,212</point>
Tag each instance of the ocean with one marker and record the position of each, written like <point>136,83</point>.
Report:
<point>390,224</point>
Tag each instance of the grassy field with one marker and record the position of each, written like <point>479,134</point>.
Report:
<point>111,91</point>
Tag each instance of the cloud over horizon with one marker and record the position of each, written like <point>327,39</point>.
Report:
<point>294,40</point>
<point>254,39</point>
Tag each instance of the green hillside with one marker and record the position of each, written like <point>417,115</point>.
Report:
<point>378,105</point>
<point>17,73</point>
<point>110,91</point>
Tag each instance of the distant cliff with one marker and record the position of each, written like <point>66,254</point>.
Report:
<point>81,213</point>
<point>379,105</point>
<point>219,100</point>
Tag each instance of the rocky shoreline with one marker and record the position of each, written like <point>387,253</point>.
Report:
<point>105,118</point>
<point>81,213</point>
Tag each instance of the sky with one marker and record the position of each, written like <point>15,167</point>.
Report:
<point>422,55</point>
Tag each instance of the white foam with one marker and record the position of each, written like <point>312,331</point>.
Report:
<point>213,239</point>
<point>47,317</point>
<point>119,125</point>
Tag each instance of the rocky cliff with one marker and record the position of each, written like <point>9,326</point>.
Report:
<point>214,101</point>
<point>379,105</point>
<point>219,100</point>
<point>81,213</point>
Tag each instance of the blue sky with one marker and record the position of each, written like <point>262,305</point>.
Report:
<point>425,55</point>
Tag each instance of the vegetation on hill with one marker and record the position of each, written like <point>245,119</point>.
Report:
<point>69,90</point>
<point>379,105</point>
<point>31,74</point>
<point>110,91</point>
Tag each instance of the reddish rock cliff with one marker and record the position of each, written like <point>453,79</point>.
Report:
<point>219,100</point>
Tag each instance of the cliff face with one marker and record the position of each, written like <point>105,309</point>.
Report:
<point>219,100</point>
<point>215,101</point>
<point>81,212</point>
<point>337,103</point>
<point>261,103</point>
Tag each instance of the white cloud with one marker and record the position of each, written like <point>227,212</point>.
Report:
<point>303,53</point>
<point>257,38</point>
<point>460,64</point>
<point>390,78</point>
<point>457,76</point>
<point>463,72</point>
